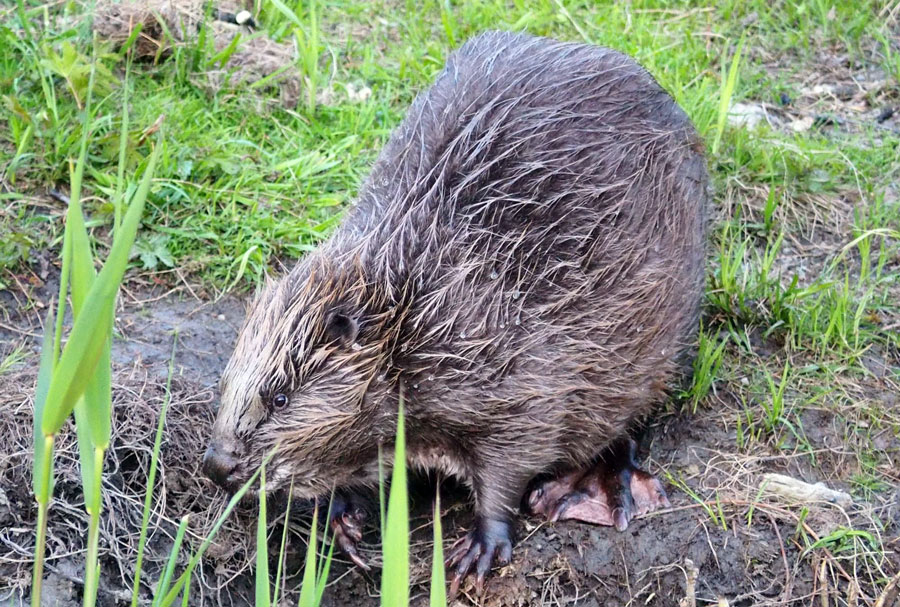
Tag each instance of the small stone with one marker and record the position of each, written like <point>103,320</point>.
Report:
<point>747,115</point>
<point>802,125</point>
<point>358,95</point>
<point>884,114</point>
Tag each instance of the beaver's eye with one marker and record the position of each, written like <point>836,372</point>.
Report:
<point>280,401</point>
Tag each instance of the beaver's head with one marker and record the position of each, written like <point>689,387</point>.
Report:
<point>308,382</point>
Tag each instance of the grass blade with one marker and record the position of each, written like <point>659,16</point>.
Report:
<point>395,574</point>
<point>42,475</point>
<point>262,547</point>
<point>43,483</point>
<point>85,452</point>
<point>284,535</point>
<point>308,587</point>
<point>92,564</point>
<point>166,578</point>
<point>90,331</point>
<point>382,502</point>
<point>729,83</point>
<point>287,12</point>
<point>324,566</point>
<point>323,574</point>
<point>64,274</point>
<point>186,595</point>
<point>123,140</point>
<point>438,583</point>
<point>151,477</point>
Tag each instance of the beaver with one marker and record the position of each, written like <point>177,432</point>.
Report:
<point>524,265</point>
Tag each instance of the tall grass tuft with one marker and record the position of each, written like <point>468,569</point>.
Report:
<point>263,598</point>
<point>729,83</point>
<point>710,350</point>
<point>395,543</point>
<point>309,47</point>
<point>77,378</point>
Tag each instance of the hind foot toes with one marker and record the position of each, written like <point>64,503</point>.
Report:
<point>610,493</point>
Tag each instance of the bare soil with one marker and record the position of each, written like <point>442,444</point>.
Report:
<point>724,541</point>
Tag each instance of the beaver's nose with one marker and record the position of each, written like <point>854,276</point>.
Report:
<point>219,462</point>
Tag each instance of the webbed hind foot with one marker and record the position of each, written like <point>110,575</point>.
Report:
<point>611,492</point>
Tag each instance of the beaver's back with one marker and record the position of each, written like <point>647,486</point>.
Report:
<point>542,210</point>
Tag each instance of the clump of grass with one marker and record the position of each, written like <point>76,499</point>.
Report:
<point>308,46</point>
<point>774,406</point>
<point>76,378</point>
<point>13,358</point>
<point>395,545</point>
<point>706,366</point>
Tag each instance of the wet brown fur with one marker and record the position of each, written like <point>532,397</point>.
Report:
<point>525,258</point>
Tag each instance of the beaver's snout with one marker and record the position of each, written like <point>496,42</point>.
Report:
<point>219,462</point>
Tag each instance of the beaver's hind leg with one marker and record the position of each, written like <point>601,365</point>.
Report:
<point>611,492</point>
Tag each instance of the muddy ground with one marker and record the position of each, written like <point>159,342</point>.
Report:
<point>724,541</point>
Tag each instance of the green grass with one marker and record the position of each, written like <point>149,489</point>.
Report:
<point>76,379</point>
<point>242,184</point>
<point>804,278</point>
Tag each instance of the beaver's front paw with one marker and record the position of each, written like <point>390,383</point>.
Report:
<point>347,520</point>
<point>489,542</point>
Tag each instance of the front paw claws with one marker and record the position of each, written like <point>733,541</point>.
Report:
<point>489,543</point>
<point>347,530</point>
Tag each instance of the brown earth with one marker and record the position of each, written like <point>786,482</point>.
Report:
<point>724,541</point>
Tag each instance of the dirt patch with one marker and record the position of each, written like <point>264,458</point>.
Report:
<point>723,537</point>
<point>140,364</point>
<point>167,24</point>
<point>834,91</point>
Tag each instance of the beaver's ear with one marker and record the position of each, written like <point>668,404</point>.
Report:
<point>341,328</point>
